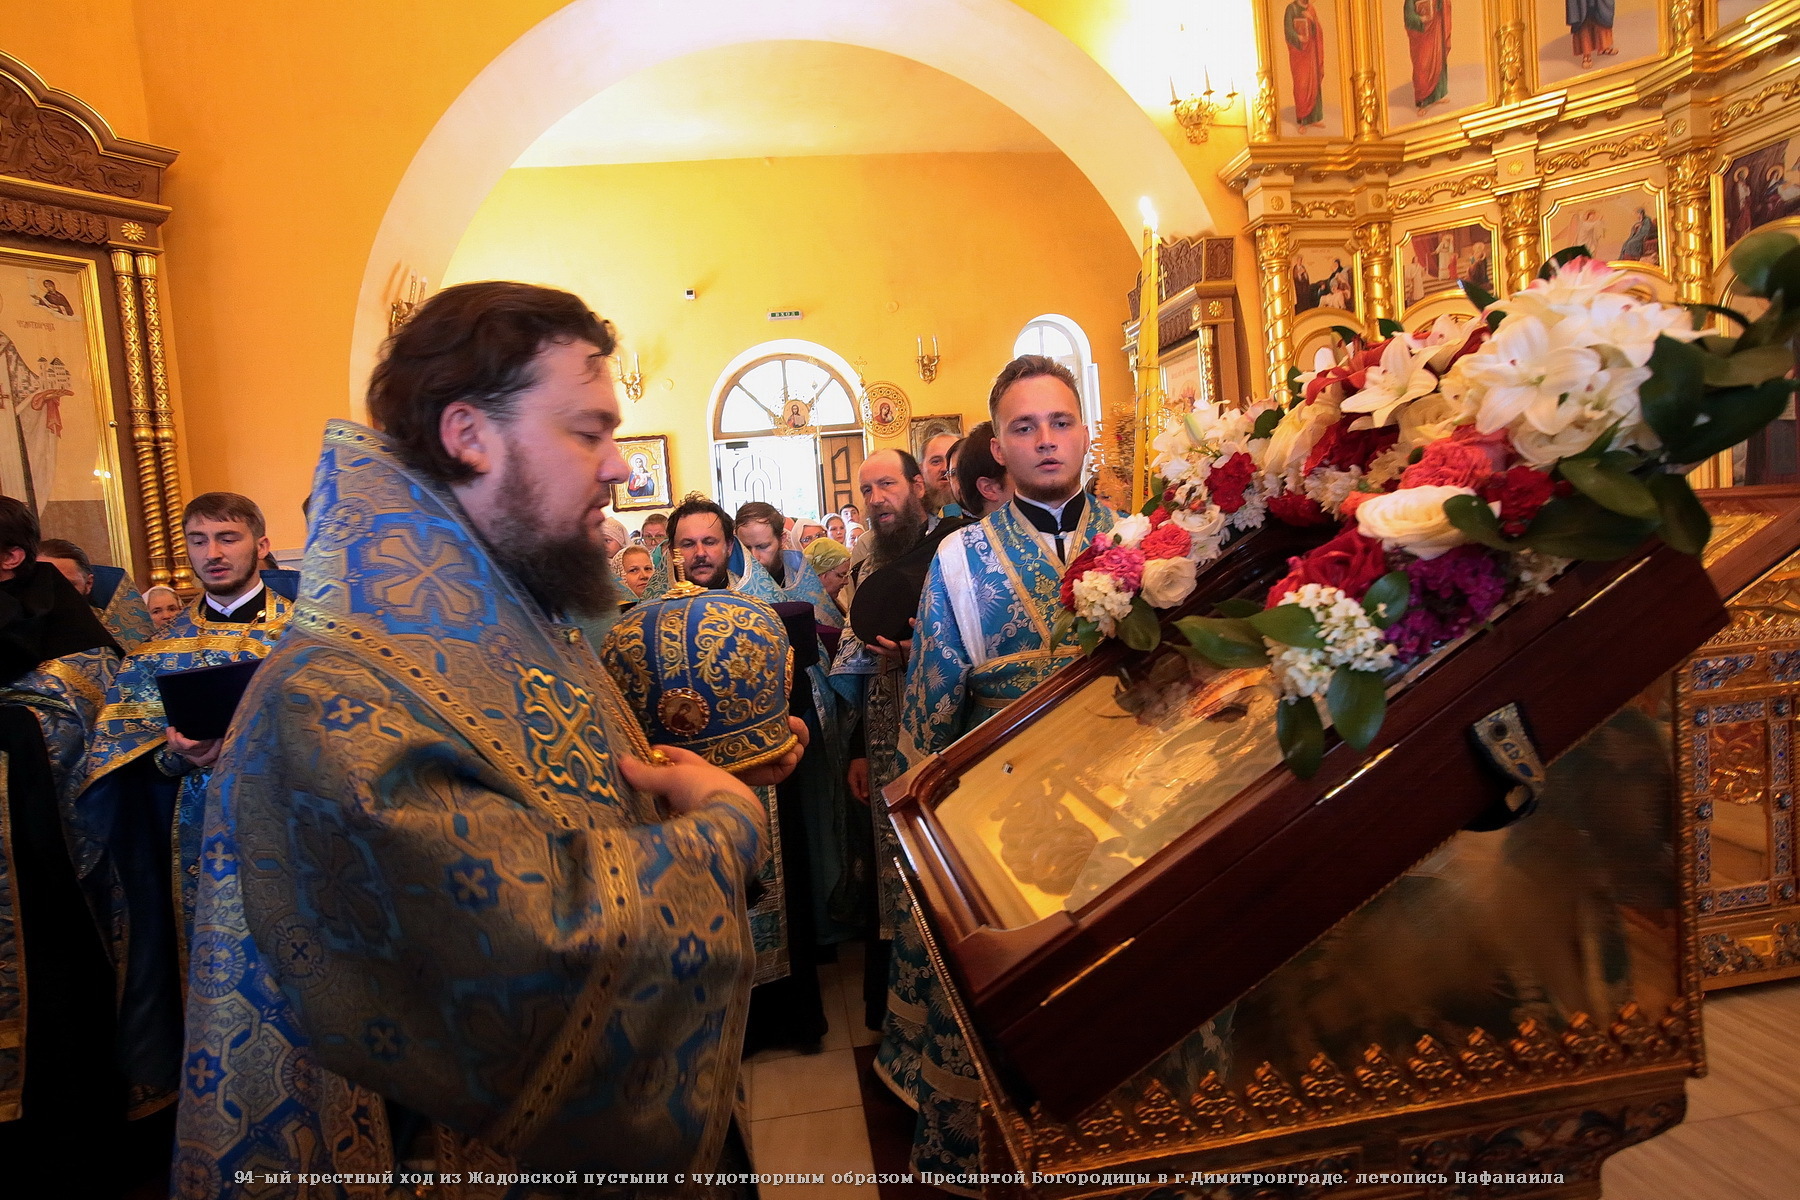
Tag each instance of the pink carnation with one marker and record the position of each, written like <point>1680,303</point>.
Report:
<point>1465,459</point>
<point>1125,564</point>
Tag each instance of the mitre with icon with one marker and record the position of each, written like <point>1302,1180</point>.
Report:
<point>707,670</point>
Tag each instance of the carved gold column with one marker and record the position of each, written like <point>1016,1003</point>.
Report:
<point>1520,236</point>
<point>1375,268</point>
<point>1365,83</point>
<point>1263,109</point>
<point>164,417</point>
<point>1684,24</point>
<point>1690,221</point>
<point>143,419</point>
<point>1510,38</point>
<point>1274,254</point>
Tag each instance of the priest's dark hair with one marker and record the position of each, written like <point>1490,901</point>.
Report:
<point>475,342</point>
<point>18,528</point>
<point>693,505</point>
<point>909,467</point>
<point>977,462</point>
<point>762,510</point>
<point>226,506</point>
<point>59,548</point>
<point>1028,366</point>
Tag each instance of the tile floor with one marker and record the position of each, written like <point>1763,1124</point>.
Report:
<point>1740,1141</point>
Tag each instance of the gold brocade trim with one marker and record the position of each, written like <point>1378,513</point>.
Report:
<point>78,682</point>
<point>1033,602</point>
<point>12,1033</point>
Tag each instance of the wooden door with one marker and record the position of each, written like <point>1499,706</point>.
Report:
<point>840,458</point>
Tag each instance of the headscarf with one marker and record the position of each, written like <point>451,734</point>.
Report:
<point>614,528</point>
<point>824,554</point>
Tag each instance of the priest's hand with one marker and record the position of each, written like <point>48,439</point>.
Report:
<point>858,779</point>
<point>202,754</point>
<point>893,651</point>
<point>771,773</point>
<point>689,783</point>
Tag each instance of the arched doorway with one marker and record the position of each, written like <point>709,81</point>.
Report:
<point>786,430</point>
<point>584,48</point>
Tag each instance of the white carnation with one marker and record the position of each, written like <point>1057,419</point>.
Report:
<point>1351,640</point>
<point>1131,530</point>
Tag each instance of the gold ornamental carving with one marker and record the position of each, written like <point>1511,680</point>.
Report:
<point>1367,88</point>
<point>1440,189</point>
<point>885,410</point>
<point>1513,85</point>
<point>1521,237</point>
<point>1324,208</point>
<point>143,419</point>
<point>163,415</point>
<point>1751,106</point>
<point>52,221</point>
<point>1430,1072</point>
<point>1684,24</point>
<point>1651,140</point>
<point>1690,223</point>
<point>1375,263</point>
<point>1274,256</point>
<point>1263,108</point>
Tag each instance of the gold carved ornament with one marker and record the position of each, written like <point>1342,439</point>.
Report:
<point>1324,208</point>
<point>1690,223</point>
<point>1375,253</point>
<point>1462,185</point>
<point>1750,106</point>
<point>1274,253</point>
<point>1513,86</point>
<point>1651,140</point>
<point>1520,236</point>
<point>143,421</point>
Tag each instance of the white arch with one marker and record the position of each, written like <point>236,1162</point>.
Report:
<point>824,354</point>
<point>584,48</point>
<point>1090,370</point>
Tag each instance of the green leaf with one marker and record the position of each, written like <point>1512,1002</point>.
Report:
<point>1699,310</point>
<point>1387,598</point>
<point>1784,275</point>
<point>1732,415</point>
<point>1472,515</point>
<point>1685,523</point>
<point>1087,635</point>
<point>1302,736</point>
<point>1480,297</point>
<point>1237,608</point>
<point>1140,629</point>
<point>1289,624</point>
<point>1064,625</point>
<point>1347,334</point>
<point>1266,423</point>
<point>1222,642</point>
<point>1670,398</point>
<point>1388,327</point>
<point>1562,258</point>
<point>1576,527</point>
<point>1749,366</point>
<point>1610,487</point>
<point>1752,258</point>
<point>1358,702</point>
<point>1153,500</point>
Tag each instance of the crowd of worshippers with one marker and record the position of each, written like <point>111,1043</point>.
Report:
<point>370,918</point>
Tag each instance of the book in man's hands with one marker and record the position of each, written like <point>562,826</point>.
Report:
<point>199,703</point>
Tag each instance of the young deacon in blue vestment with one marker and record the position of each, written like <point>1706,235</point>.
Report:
<point>982,640</point>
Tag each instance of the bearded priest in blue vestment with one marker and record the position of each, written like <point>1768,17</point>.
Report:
<point>460,912</point>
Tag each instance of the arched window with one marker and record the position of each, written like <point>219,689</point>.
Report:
<point>787,430</point>
<point>1062,339</point>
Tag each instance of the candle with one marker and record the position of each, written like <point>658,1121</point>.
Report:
<point>934,349</point>
<point>921,342</point>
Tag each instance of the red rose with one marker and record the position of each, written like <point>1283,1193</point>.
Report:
<point>1084,562</point>
<point>1227,480</point>
<point>1158,517</point>
<point>1520,491</point>
<point>1349,561</point>
<point>1167,540</point>
<point>1342,448</point>
<point>1292,508</point>
<point>1449,464</point>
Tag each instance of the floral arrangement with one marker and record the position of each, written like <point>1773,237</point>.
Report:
<point>1465,465</point>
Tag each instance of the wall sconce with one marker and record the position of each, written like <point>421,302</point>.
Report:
<point>412,294</point>
<point>1197,114</point>
<point>633,380</point>
<point>928,363</point>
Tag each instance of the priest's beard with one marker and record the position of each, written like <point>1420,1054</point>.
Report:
<point>908,528</point>
<point>566,572</point>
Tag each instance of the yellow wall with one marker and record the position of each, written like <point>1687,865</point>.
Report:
<point>876,250</point>
<point>295,124</point>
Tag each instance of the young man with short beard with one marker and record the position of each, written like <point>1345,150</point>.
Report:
<point>445,881</point>
<point>991,600</point>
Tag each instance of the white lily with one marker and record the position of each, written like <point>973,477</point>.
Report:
<point>1401,377</point>
<point>1525,366</point>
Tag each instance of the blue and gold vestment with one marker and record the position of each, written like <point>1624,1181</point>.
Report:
<point>425,879</point>
<point>991,601</point>
<point>121,608</point>
<point>135,834</point>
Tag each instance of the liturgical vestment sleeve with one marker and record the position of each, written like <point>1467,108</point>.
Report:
<point>528,966</point>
